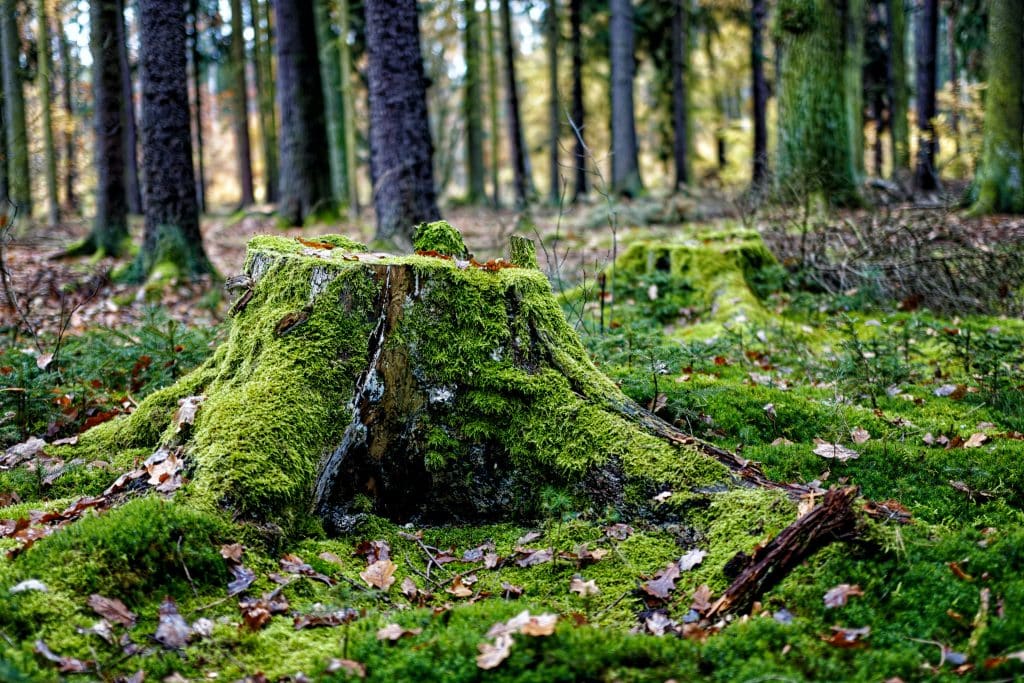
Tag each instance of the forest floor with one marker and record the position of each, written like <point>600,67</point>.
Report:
<point>892,342</point>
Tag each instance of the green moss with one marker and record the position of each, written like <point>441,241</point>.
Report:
<point>439,237</point>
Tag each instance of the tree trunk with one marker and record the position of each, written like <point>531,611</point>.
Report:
<point>195,58</point>
<point>925,42</point>
<point>998,186</point>
<point>330,78</point>
<point>305,185</point>
<point>20,190</point>
<point>400,146</point>
<point>517,142</point>
<point>554,114</point>
<point>263,73</point>
<point>472,107</point>
<point>718,102</point>
<point>580,186</point>
<point>625,169</point>
<point>44,86</point>
<point>493,112</point>
<point>899,128</point>
<point>172,244</point>
<point>853,79</point>
<point>240,105</point>
<point>348,109</point>
<point>759,174</point>
<point>953,11</point>
<point>129,135</point>
<point>68,129</point>
<point>814,148</point>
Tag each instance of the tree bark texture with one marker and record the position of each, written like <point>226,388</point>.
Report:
<point>551,36</point>
<point>400,146</point>
<point>330,77</point>
<point>494,134</point>
<point>680,115</point>
<point>264,81</point>
<point>523,183</point>
<point>899,127</point>
<point>68,132</point>
<point>196,62</point>
<point>305,181</point>
<point>580,186</point>
<point>129,131</point>
<point>472,107</point>
<point>759,84</point>
<point>44,86</point>
<point>240,105</point>
<point>926,176</point>
<point>625,169</point>
<point>20,189</point>
<point>853,79</point>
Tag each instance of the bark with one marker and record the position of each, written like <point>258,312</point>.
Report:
<point>523,183</point>
<point>578,111</point>
<point>330,77</point>
<point>999,185</point>
<point>853,70</point>
<point>264,82</point>
<point>718,99</point>
<point>44,85</point>
<point>625,169</point>
<point>554,115</point>
<point>492,101</point>
<point>68,131</point>
<point>240,105</point>
<point>172,244</point>
<point>814,148</point>
<point>348,109</point>
<point>759,174</point>
<point>400,146</point>
<point>899,128</point>
<point>20,190</point>
<point>305,182</point>
<point>953,11</point>
<point>472,107</point>
<point>195,59</point>
<point>926,38</point>
<point>129,134</point>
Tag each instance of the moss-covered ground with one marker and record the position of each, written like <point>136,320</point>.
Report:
<point>709,333</point>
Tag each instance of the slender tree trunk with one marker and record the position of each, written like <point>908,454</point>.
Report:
<point>5,184</point>
<point>853,79</point>
<point>472,109</point>
<point>878,116</point>
<point>554,115</point>
<point>998,186</point>
<point>68,129</point>
<point>44,87</point>
<point>240,104</point>
<point>129,135</point>
<point>814,149</point>
<point>263,71</point>
<point>625,169</point>
<point>348,109</point>
<point>517,141</point>
<point>760,93</point>
<point>400,146</point>
<point>330,79</point>
<point>305,188</point>
<point>926,37</point>
<point>492,98</point>
<point>172,244</point>
<point>899,128</point>
<point>14,110</point>
<point>954,71</point>
<point>110,227</point>
<point>195,57</point>
<point>578,111</point>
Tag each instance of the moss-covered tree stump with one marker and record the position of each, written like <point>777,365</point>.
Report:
<point>427,387</point>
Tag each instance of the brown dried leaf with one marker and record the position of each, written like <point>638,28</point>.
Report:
<point>112,609</point>
<point>373,551</point>
<point>528,538</point>
<point>847,637</point>
<point>584,589</point>
<point>491,655</point>
<point>67,665</point>
<point>393,632</point>
<point>232,552</point>
<point>458,588</point>
<point>242,578</point>
<point>172,630</point>
<point>663,583</point>
<point>976,440</point>
<point>510,591</point>
<point>859,435</point>
<point>380,574</point>
<point>256,612</point>
<point>293,564</point>
<point>701,599</point>
<point>349,666</point>
<point>529,558</point>
<point>337,618</point>
<point>186,413</point>
<point>619,532</point>
<point>834,451</point>
<point>691,559</point>
<point>837,597</point>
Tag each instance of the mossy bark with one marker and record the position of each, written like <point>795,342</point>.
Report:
<point>18,177</point>
<point>999,186</point>
<point>422,388</point>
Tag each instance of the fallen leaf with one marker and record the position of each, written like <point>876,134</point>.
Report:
<point>409,588</point>
<point>847,637</point>
<point>528,537</point>
<point>380,574</point>
<point>232,552</point>
<point>293,564</point>
<point>691,559</point>
<point>836,452</point>
<point>393,632</point>
<point>186,413</point>
<point>491,655</point>
<point>510,591</point>
<point>374,551</point>
<point>782,441</point>
<point>256,612</point>
<point>203,627</point>
<point>458,589</point>
<point>67,665</point>
<point>28,585</point>
<point>663,583</point>
<point>112,609</point>
<point>349,666</point>
<point>837,596</point>
<point>657,623</point>
<point>243,577</point>
<point>620,531</point>
<point>701,599</point>
<point>337,618</point>
<point>533,557</point>
<point>976,440</point>
<point>172,630</point>
<point>859,435</point>
<point>959,572</point>
<point>584,589</point>
<point>21,452</point>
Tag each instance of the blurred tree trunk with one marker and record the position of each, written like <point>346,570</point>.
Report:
<point>998,186</point>
<point>330,80</point>
<point>196,59</point>
<point>400,147</point>
<point>492,99</point>
<point>759,84</point>
<point>68,129</point>
<point>14,110</point>
<point>472,108</point>
<point>925,43</point>
<point>554,116</point>
<point>952,12</point>
<point>899,128</point>
<point>305,184</point>
<point>517,141</point>
<point>240,104</point>
<point>263,73</point>
<point>44,86</point>
<point>129,134</point>
<point>578,110</point>
<point>348,109</point>
<point>718,100</point>
<point>172,244</point>
<point>853,79</point>
<point>625,169</point>
<point>814,149</point>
